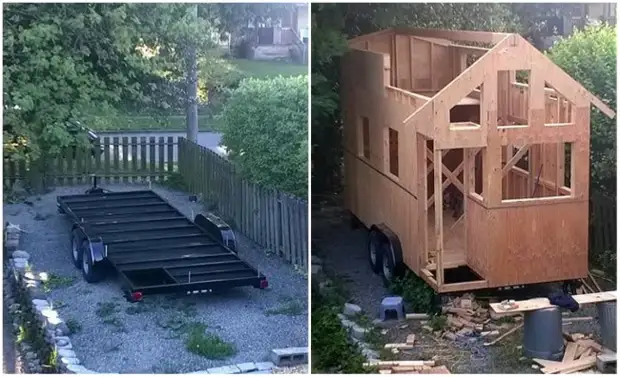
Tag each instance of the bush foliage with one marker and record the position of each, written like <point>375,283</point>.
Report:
<point>265,128</point>
<point>589,56</point>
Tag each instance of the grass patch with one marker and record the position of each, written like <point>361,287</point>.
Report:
<point>74,326</point>
<point>106,309</point>
<point>289,307</point>
<point>55,281</point>
<point>266,69</point>
<point>206,344</point>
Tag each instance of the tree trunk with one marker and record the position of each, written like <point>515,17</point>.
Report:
<point>192,87</point>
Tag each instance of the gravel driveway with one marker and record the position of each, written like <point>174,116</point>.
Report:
<point>112,335</point>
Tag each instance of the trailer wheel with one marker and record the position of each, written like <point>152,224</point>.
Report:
<point>76,249</point>
<point>375,251</point>
<point>387,264</point>
<point>92,272</point>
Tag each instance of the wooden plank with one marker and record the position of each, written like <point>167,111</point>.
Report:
<point>170,155</point>
<point>142,168</point>
<point>438,217</point>
<point>106,159</point>
<point>569,352</point>
<point>543,303</point>
<point>161,152</point>
<point>116,148</point>
<point>152,164</point>
<point>514,159</point>
<point>125,153</point>
<point>134,160</point>
<point>571,367</point>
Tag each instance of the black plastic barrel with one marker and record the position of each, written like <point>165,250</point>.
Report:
<point>607,321</point>
<point>542,334</point>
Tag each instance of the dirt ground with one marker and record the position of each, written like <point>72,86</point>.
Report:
<point>342,250</point>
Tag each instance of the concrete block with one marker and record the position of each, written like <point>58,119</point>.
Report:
<point>289,356</point>
<point>351,310</point>
<point>247,367</point>
<point>392,307</point>
<point>265,365</point>
<point>227,369</point>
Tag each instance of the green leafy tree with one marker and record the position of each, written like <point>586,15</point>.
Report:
<point>589,56</point>
<point>265,127</point>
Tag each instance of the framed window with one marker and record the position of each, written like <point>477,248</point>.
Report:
<point>365,137</point>
<point>393,151</point>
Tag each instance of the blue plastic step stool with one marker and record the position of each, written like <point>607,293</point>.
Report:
<point>392,308</point>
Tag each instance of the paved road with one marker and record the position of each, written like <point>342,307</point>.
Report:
<point>210,140</point>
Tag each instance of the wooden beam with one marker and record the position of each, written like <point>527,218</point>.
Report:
<point>438,216</point>
<point>456,35</point>
<point>447,172</point>
<point>543,302</point>
<point>514,159</point>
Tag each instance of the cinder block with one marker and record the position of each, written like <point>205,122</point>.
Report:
<point>227,369</point>
<point>265,365</point>
<point>247,367</point>
<point>289,356</point>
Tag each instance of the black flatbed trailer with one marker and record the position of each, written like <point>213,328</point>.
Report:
<point>153,247</point>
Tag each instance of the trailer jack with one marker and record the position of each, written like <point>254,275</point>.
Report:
<point>95,189</point>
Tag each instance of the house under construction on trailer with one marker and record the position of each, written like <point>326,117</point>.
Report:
<point>431,116</point>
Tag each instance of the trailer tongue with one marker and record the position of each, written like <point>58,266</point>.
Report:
<point>153,246</point>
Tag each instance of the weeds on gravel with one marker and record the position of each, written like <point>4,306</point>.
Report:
<point>118,325</point>
<point>438,322</point>
<point>138,307</point>
<point>106,309</point>
<point>54,281</point>
<point>206,344</point>
<point>290,307</point>
<point>188,308</point>
<point>331,350</point>
<point>419,295</point>
<point>74,326</point>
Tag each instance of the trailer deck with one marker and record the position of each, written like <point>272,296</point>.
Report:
<point>153,246</point>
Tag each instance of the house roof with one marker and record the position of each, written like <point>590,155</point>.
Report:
<point>499,52</point>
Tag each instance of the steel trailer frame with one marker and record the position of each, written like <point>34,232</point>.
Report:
<point>152,245</point>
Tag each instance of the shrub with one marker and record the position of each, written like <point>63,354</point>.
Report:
<point>416,293</point>
<point>589,56</point>
<point>265,127</point>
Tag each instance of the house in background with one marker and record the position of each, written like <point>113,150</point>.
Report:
<point>285,37</point>
<point>558,27</point>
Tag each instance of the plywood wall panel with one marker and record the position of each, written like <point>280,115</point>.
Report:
<point>477,231</point>
<point>538,243</point>
<point>403,62</point>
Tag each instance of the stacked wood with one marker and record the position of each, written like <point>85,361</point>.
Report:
<point>580,353</point>
<point>408,367</point>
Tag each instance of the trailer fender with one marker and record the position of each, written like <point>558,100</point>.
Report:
<point>97,248</point>
<point>392,239</point>
<point>217,228</point>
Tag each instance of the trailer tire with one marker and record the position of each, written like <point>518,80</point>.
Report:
<point>76,249</point>
<point>375,250</point>
<point>90,270</point>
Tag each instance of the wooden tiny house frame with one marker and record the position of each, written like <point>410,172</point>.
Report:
<point>427,112</point>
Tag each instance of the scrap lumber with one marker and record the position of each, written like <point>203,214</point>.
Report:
<point>573,366</point>
<point>576,319</point>
<point>410,339</point>
<point>570,352</point>
<point>543,302</point>
<point>546,363</point>
<point>401,363</point>
<point>402,346</point>
<point>514,329</point>
<point>416,316</point>
<point>595,282</point>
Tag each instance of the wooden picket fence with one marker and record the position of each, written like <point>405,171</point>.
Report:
<point>602,223</point>
<point>122,160</point>
<point>275,220</point>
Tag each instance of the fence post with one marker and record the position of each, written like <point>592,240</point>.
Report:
<point>279,226</point>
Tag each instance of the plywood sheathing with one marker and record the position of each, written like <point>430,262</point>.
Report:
<point>411,82</point>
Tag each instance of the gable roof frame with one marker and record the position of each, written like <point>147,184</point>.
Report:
<point>473,76</point>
